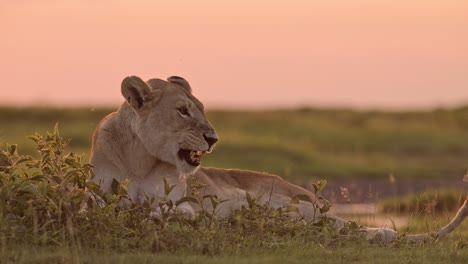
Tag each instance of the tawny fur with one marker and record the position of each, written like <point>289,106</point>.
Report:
<point>141,140</point>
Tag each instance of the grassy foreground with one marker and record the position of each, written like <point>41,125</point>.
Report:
<point>442,252</point>
<point>42,221</point>
<point>300,145</point>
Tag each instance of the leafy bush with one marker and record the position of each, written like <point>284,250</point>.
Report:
<point>49,202</point>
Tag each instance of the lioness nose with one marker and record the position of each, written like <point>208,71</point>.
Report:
<point>211,140</point>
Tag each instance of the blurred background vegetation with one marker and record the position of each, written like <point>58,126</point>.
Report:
<point>370,154</point>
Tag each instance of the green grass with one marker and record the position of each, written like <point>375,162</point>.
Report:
<point>299,145</point>
<point>430,201</point>
<point>448,251</point>
<point>41,222</point>
<point>77,124</point>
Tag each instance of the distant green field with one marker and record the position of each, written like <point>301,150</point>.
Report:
<point>300,144</point>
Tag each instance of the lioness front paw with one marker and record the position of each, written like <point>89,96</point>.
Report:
<point>186,211</point>
<point>379,235</point>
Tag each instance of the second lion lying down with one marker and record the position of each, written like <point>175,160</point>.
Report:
<point>161,132</point>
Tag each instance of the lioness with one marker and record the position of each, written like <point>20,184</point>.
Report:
<point>161,131</point>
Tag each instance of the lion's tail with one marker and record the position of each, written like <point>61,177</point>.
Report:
<point>456,221</point>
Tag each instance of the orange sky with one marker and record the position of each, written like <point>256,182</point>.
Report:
<point>366,54</point>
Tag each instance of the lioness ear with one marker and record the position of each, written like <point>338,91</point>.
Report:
<point>136,92</point>
<point>181,82</point>
<point>157,83</point>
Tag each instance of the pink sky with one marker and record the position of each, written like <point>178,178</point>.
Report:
<point>387,54</point>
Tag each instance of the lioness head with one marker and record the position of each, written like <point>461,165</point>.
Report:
<point>170,121</point>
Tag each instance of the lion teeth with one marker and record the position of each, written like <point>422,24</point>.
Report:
<point>196,155</point>
<point>210,149</point>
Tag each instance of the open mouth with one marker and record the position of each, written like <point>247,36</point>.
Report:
<point>192,157</point>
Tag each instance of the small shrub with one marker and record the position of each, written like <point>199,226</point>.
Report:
<point>50,202</point>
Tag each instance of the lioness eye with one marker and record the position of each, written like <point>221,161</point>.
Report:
<point>183,111</point>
